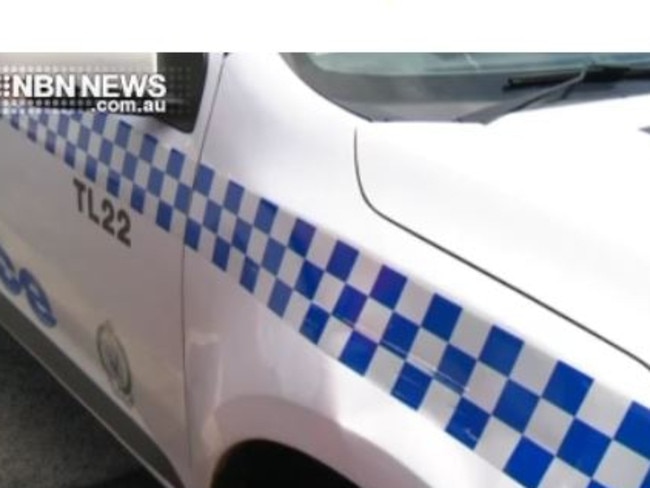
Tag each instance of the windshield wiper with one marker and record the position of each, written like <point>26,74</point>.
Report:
<point>561,84</point>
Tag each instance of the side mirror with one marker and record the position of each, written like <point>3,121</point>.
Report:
<point>185,74</point>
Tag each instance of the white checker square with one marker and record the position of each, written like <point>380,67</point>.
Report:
<point>497,443</point>
<point>110,128</point>
<point>206,243</point>
<point>59,146</point>
<point>413,302</point>
<point>150,206</point>
<point>257,245</point>
<point>533,369</point>
<point>197,207</point>
<point>328,292</point>
<point>364,274</point>
<point>73,132</point>
<point>603,409</point>
<point>179,220</point>
<point>102,178</point>
<point>117,159</point>
<point>41,133</point>
<point>282,227</point>
<point>373,320</point>
<point>248,208</point>
<point>426,351</point>
<point>320,249</point>
<point>559,475</point>
<point>135,142</point>
<point>94,144</point>
<point>168,191</point>
<point>142,175</point>
<point>235,263</point>
<point>384,369</point>
<point>334,337</point>
<point>218,189</point>
<point>485,386</point>
<point>470,334</point>
<point>290,268</point>
<point>187,173</point>
<point>126,188</point>
<point>548,426</point>
<point>53,121</point>
<point>226,227</point>
<point>264,285</point>
<point>160,157</point>
<point>296,310</point>
<point>439,403</point>
<point>621,467</point>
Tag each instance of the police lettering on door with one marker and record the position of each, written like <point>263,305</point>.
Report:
<point>18,281</point>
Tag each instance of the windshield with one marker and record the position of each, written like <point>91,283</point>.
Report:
<point>445,86</point>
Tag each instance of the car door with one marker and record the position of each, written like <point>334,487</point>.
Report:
<point>92,219</point>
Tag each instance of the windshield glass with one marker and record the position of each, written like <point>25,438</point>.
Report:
<point>444,86</point>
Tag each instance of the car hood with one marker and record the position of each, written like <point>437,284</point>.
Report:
<point>554,201</point>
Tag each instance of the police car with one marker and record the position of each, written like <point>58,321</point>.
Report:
<point>349,269</point>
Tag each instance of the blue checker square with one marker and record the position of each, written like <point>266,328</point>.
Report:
<point>155,183</point>
<point>123,134</point>
<point>467,423</point>
<point>595,484</point>
<point>528,463</point>
<point>32,127</point>
<point>234,195</point>
<point>50,142</point>
<point>175,163</point>
<point>183,198</point>
<point>273,255</point>
<point>44,118</point>
<point>308,279</point>
<point>84,138</point>
<point>501,350</point>
<point>634,431</point>
<point>105,151</point>
<point>455,368</point>
<point>91,169</point>
<point>130,166</point>
<point>148,147</point>
<point>567,388</point>
<point>411,386</point>
<point>358,352</point>
<point>249,274</point>
<point>113,183</point>
<point>515,406</point>
<point>212,216</point>
<point>63,125</point>
<point>441,317</point>
<point>265,215</point>
<point>99,122</point>
<point>164,216</point>
<point>314,324</point>
<point>388,287</point>
<point>203,179</point>
<point>342,261</point>
<point>138,195</point>
<point>349,305</point>
<point>301,236</point>
<point>69,154</point>
<point>221,253</point>
<point>399,335</point>
<point>583,447</point>
<point>241,235</point>
<point>192,234</point>
<point>279,298</point>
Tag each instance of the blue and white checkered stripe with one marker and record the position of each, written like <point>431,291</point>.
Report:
<point>539,420</point>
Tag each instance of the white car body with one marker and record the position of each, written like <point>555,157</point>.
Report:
<point>267,292</point>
